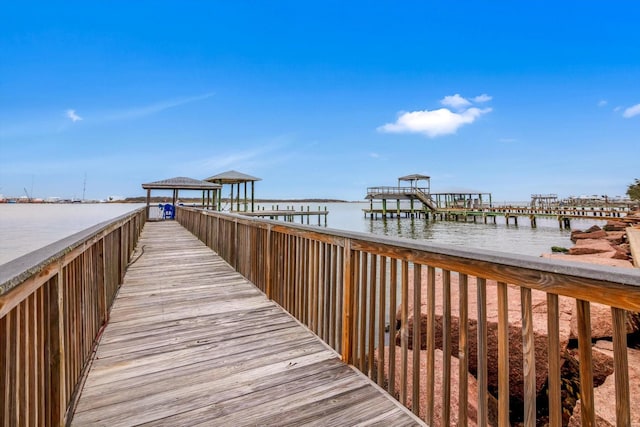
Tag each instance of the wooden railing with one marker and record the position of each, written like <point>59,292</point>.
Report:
<point>351,288</point>
<point>53,304</point>
<point>573,212</point>
<point>395,190</point>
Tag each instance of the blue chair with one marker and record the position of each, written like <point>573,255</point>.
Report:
<point>168,212</point>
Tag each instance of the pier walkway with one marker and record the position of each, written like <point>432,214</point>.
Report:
<point>191,341</point>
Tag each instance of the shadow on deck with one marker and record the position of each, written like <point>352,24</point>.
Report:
<point>190,341</point>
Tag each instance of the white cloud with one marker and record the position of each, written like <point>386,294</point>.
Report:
<point>455,101</point>
<point>433,123</point>
<point>631,111</point>
<point>482,98</point>
<point>618,108</point>
<point>602,103</point>
<point>374,155</point>
<point>443,121</point>
<point>73,116</point>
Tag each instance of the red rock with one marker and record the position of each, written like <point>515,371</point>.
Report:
<point>472,386</point>
<point>604,395</point>
<point>590,246</point>
<point>616,237</point>
<point>601,324</point>
<point>599,259</point>
<point>614,226</point>
<point>576,418</point>
<point>515,330</point>
<point>620,253</point>
<point>601,364</point>
<point>600,234</point>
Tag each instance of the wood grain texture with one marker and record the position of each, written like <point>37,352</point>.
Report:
<point>404,331</point>
<point>463,348</point>
<point>529,358</point>
<point>431,348</point>
<point>393,292</point>
<point>621,370</point>
<point>191,342</point>
<point>553,326</point>
<point>483,412</point>
<point>415,362</point>
<point>586,364</point>
<point>503,355</point>
<point>446,348</point>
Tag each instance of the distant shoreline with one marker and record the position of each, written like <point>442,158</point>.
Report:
<point>159,199</point>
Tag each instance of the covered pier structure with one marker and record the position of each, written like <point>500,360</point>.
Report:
<point>235,178</point>
<point>414,191</point>
<point>210,191</point>
<point>419,189</point>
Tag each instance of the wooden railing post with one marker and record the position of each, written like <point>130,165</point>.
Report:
<point>205,238</point>
<point>268,263</point>
<point>528,358</point>
<point>587,413</point>
<point>235,250</point>
<point>621,370</point>
<point>347,289</point>
<point>463,348</point>
<point>103,304</point>
<point>553,331</point>
<point>57,365</point>
<point>483,412</point>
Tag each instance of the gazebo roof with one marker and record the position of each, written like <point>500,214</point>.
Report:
<point>180,183</point>
<point>413,177</point>
<point>232,177</point>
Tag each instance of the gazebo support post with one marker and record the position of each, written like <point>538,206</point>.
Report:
<point>238,199</point>
<point>252,197</point>
<point>148,202</point>
<point>232,200</point>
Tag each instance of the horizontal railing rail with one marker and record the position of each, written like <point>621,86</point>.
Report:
<point>395,190</point>
<point>53,304</point>
<point>480,313</point>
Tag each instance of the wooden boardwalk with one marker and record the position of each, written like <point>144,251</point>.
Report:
<point>190,341</point>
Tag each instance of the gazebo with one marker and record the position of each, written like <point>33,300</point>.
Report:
<point>235,178</point>
<point>209,190</point>
<point>414,179</point>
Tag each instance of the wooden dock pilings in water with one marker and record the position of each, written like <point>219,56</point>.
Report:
<point>290,214</point>
<point>510,214</point>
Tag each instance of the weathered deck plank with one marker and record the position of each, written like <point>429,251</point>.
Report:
<point>190,342</point>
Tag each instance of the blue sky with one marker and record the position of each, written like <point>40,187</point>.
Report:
<point>320,99</point>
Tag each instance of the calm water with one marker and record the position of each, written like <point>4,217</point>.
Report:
<point>27,227</point>
<point>499,237</point>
